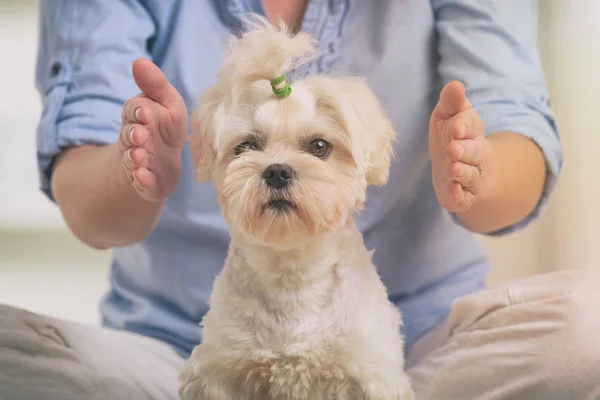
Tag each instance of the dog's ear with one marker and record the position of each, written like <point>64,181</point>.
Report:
<point>203,124</point>
<point>371,130</point>
<point>380,151</point>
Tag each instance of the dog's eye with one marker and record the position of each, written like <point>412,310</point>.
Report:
<point>319,148</point>
<point>246,146</point>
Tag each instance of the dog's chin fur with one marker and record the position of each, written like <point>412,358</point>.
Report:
<point>298,311</point>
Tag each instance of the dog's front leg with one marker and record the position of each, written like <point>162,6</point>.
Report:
<point>202,377</point>
<point>199,388</point>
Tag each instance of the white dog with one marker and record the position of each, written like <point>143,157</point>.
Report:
<point>298,311</point>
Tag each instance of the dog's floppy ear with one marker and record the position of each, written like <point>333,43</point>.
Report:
<point>371,129</point>
<point>379,157</point>
<point>203,124</point>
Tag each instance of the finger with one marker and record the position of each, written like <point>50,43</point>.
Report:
<point>455,150</point>
<point>452,100</point>
<point>128,163</point>
<point>472,152</point>
<point>139,157</point>
<point>461,199</point>
<point>144,180</point>
<point>136,112</point>
<point>126,137</point>
<point>139,110</point>
<point>134,158</point>
<point>154,84</point>
<point>467,151</point>
<point>139,135</point>
<point>130,110</point>
<point>466,175</point>
<point>465,125</point>
<point>133,135</point>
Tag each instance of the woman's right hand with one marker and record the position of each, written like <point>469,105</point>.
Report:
<point>153,132</point>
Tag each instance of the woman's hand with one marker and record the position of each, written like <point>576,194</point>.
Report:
<point>458,149</point>
<point>112,195</point>
<point>153,132</point>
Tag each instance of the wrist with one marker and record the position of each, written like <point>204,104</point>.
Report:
<point>98,201</point>
<point>512,185</point>
<point>130,218</point>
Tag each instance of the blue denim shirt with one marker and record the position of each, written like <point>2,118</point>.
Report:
<point>406,49</point>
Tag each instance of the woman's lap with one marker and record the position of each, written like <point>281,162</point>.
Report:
<point>531,339</point>
<point>535,338</point>
<point>45,358</point>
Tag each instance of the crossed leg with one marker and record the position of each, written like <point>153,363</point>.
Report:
<point>536,338</point>
<point>46,358</point>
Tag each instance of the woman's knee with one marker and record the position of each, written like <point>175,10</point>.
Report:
<point>572,355</point>
<point>38,362</point>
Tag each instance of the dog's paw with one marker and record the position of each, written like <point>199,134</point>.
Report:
<point>401,394</point>
<point>408,394</point>
<point>391,389</point>
<point>404,395</point>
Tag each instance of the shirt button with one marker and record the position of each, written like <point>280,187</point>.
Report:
<point>55,69</point>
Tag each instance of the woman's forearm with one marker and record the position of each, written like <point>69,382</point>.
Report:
<point>97,201</point>
<point>512,183</point>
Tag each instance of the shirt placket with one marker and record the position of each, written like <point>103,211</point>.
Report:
<point>323,19</point>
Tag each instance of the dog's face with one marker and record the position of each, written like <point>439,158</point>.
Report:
<point>290,168</point>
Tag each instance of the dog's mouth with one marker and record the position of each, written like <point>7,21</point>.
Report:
<point>280,205</point>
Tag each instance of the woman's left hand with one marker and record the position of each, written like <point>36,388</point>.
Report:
<point>458,150</point>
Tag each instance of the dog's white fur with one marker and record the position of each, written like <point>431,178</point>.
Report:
<point>298,311</point>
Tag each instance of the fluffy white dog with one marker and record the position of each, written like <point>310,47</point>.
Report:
<point>298,311</point>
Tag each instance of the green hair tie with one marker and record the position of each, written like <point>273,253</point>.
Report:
<point>281,87</point>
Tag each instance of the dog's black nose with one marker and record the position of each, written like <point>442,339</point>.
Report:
<point>278,176</point>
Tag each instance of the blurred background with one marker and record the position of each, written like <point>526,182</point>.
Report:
<point>45,269</point>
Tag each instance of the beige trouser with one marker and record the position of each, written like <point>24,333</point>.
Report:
<point>534,339</point>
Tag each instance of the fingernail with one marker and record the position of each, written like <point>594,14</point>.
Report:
<point>128,155</point>
<point>131,135</point>
<point>137,114</point>
<point>463,130</point>
<point>135,180</point>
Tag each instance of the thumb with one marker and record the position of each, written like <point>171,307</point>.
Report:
<point>452,100</point>
<point>154,84</point>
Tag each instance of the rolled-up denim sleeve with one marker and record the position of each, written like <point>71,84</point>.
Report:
<point>83,72</point>
<point>491,46</point>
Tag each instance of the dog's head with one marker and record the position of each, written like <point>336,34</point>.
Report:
<point>287,168</point>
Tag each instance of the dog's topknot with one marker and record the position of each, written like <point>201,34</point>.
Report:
<point>264,52</point>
